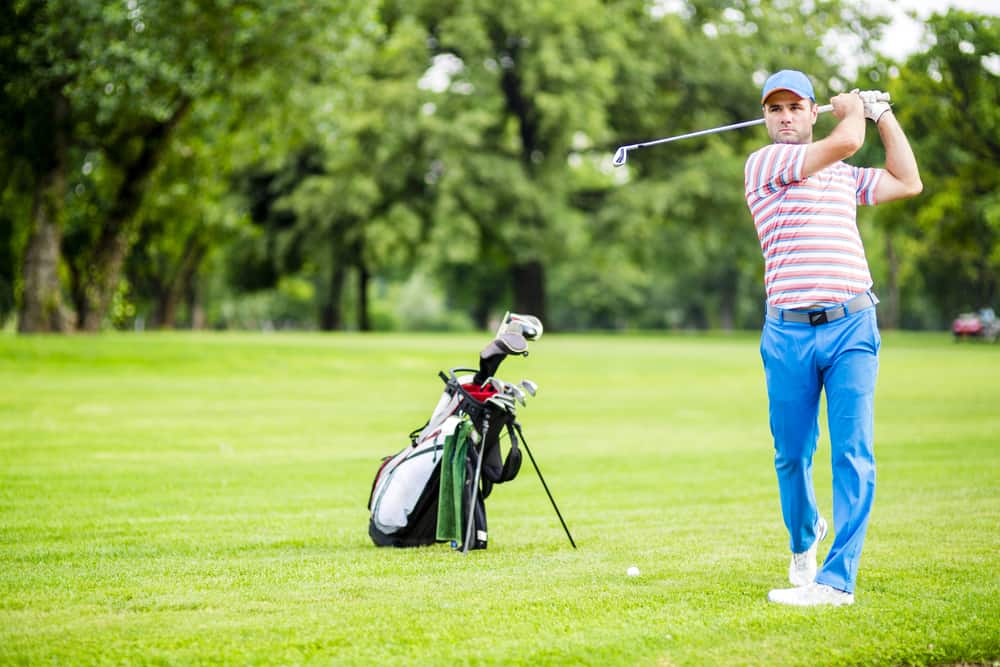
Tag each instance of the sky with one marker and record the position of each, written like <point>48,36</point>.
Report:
<point>905,33</point>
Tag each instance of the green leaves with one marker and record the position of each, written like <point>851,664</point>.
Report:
<point>466,140</point>
<point>947,98</point>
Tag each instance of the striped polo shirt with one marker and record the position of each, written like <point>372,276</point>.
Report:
<point>808,231</point>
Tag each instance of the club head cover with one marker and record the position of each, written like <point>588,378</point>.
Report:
<point>493,354</point>
<point>528,326</point>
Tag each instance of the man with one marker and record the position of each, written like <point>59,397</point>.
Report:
<point>820,331</point>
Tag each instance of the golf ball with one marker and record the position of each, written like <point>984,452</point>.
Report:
<point>632,571</point>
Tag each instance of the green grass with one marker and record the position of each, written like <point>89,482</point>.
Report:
<point>193,499</point>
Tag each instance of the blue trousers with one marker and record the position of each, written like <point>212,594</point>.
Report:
<point>801,360</point>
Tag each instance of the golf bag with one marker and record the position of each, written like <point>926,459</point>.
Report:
<point>434,490</point>
<point>423,494</point>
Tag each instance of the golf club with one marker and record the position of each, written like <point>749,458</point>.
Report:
<point>529,386</point>
<point>516,392</point>
<point>502,401</point>
<point>496,383</point>
<point>479,447</point>
<point>621,155</point>
<point>528,326</point>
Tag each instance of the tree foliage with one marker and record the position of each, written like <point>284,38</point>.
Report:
<point>160,159</point>
<point>945,245</point>
<point>101,89</point>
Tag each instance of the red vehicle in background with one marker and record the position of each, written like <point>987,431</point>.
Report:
<point>982,325</point>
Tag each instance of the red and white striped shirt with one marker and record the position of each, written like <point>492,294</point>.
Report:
<point>808,231</point>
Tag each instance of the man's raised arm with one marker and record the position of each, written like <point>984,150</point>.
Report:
<point>902,177</point>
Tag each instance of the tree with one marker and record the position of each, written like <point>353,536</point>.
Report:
<point>946,243</point>
<point>354,197</point>
<point>188,215</point>
<point>108,85</point>
<point>34,112</point>
<point>523,80</point>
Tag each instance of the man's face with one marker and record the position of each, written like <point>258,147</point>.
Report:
<point>789,118</point>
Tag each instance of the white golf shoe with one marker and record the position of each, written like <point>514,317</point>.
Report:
<point>811,595</point>
<point>802,569</point>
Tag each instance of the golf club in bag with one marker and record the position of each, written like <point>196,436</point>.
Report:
<point>434,490</point>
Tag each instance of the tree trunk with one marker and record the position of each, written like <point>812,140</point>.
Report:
<point>101,282</point>
<point>42,309</point>
<point>182,286</point>
<point>481,312</point>
<point>528,282</point>
<point>194,300</point>
<point>889,311</point>
<point>330,314</point>
<point>166,307</point>
<point>728,296</point>
<point>364,278</point>
<point>198,318</point>
<point>727,307</point>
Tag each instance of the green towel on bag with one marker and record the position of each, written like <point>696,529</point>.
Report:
<point>449,519</point>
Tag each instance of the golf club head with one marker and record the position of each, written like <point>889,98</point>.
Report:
<point>620,156</point>
<point>503,402</point>
<point>516,392</point>
<point>529,386</point>
<point>496,383</point>
<point>528,326</point>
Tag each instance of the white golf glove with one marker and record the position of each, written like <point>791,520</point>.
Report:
<point>876,103</point>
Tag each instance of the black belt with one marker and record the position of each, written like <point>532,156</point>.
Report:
<point>863,301</point>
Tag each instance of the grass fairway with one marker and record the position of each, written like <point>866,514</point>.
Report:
<point>200,498</point>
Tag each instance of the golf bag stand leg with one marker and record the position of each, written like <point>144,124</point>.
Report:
<point>546,486</point>
<point>470,524</point>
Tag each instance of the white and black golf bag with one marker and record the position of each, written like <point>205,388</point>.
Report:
<point>434,490</point>
<point>468,422</point>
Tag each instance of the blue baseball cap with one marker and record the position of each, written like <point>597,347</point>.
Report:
<point>791,80</point>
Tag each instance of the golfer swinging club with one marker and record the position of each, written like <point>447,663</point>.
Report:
<point>820,330</point>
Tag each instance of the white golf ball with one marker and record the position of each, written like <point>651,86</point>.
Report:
<point>632,571</point>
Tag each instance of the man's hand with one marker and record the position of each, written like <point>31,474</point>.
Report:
<point>847,104</point>
<point>875,103</point>
<point>846,138</point>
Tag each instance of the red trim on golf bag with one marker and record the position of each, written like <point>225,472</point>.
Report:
<point>480,394</point>
<point>378,474</point>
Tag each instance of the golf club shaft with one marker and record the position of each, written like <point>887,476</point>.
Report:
<point>622,152</point>
<point>544,485</point>
<point>471,525</point>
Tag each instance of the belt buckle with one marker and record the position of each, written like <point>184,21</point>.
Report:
<point>818,317</point>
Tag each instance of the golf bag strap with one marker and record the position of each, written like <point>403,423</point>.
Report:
<point>417,431</point>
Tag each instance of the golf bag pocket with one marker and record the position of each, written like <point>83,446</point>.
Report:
<point>403,485</point>
<point>498,468</point>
